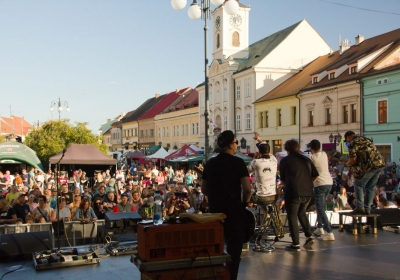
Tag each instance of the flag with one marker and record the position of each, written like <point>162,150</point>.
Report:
<point>213,123</point>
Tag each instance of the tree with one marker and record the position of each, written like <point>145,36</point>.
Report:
<point>52,137</point>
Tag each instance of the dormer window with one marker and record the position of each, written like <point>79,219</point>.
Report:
<point>315,80</point>
<point>353,70</point>
<point>331,76</point>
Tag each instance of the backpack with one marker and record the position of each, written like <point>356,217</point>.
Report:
<point>368,156</point>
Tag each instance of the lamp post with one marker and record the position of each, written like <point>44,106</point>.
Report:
<point>203,11</point>
<point>60,104</point>
<point>336,139</point>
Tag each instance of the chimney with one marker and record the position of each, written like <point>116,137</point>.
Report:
<point>359,39</point>
<point>344,46</point>
<point>157,95</point>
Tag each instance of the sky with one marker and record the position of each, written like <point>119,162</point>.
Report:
<point>106,57</point>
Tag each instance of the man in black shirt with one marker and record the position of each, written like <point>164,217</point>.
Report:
<point>224,178</point>
<point>21,208</point>
<point>297,175</point>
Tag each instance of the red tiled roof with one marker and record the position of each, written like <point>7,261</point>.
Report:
<point>190,99</point>
<point>164,103</point>
<point>14,125</point>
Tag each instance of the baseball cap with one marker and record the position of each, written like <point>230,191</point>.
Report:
<point>124,194</point>
<point>21,194</point>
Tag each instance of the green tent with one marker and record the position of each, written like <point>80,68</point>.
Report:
<point>152,149</point>
<point>12,152</point>
<point>190,159</point>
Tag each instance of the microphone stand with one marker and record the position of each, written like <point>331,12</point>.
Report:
<point>58,199</point>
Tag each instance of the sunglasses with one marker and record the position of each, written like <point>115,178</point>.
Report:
<point>98,203</point>
<point>235,142</point>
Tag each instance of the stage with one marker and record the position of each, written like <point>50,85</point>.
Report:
<point>366,256</point>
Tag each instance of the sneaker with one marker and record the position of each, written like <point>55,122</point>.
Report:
<point>327,236</point>
<point>358,211</point>
<point>318,232</point>
<point>292,247</point>
<point>309,243</point>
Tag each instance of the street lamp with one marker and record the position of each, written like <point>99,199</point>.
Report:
<point>60,105</point>
<point>203,11</point>
<point>336,139</point>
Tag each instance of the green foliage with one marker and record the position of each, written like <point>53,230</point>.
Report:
<point>2,139</point>
<point>53,136</point>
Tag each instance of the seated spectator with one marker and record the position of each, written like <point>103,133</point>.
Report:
<point>63,213</point>
<point>342,201</point>
<point>21,208</point>
<point>384,203</point>
<point>85,213</point>
<point>75,204</point>
<point>178,205</point>
<point>98,209</point>
<point>330,204</point>
<point>389,188</point>
<point>7,213</point>
<point>124,206</point>
<point>42,211</point>
<point>13,195</point>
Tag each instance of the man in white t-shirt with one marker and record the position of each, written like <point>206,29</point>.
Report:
<point>322,187</point>
<point>264,168</point>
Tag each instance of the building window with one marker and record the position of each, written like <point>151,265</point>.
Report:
<point>385,151</point>
<point>353,113</point>
<point>197,128</point>
<point>331,75</point>
<point>261,119</point>
<point>141,133</point>
<point>187,129</point>
<point>279,117</point>
<point>192,128</point>
<point>327,116</point>
<point>238,122</point>
<point>238,92</point>
<point>225,122</point>
<point>345,113</point>
<point>183,129</point>
<point>382,111</point>
<point>276,146</point>
<point>353,69</point>
<point>294,115</point>
<point>151,132</point>
<point>235,39</point>
<point>135,131</point>
<point>210,95</point>
<point>217,96</point>
<point>315,80</point>
<point>266,119</point>
<point>159,132</point>
<point>167,131</point>
<point>248,124</point>
<point>225,94</point>
<point>310,118</point>
<point>247,88</point>
<point>218,41</point>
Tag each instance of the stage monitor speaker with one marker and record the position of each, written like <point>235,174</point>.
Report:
<point>387,217</point>
<point>120,219</point>
<point>23,244</point>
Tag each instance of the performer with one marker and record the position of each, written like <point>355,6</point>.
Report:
<point>225,177</point>
<point>322,188</point>
<point>366,163</point>
<point>297,175</point>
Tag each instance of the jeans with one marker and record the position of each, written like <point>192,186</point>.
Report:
<point>296,208</point>
<point>320,194</point>
<point>367,182</point>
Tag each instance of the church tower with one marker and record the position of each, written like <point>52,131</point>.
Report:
<point>230,33</point>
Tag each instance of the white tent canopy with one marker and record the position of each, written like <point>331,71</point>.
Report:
<point>160,154</point>
<point>197,149</point>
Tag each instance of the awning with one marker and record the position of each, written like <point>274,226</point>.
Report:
<point>14,153</point>
<point>153,149</point>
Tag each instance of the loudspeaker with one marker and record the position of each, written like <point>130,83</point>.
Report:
<point>112,219</point>
<point>22,244</point>
<point>387,217</point>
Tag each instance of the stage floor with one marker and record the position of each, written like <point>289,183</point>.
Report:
<point>366,256</point>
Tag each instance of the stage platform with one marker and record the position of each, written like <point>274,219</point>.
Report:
<point>365,256</point>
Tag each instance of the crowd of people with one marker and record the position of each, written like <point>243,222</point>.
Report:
<point>32,197</point>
